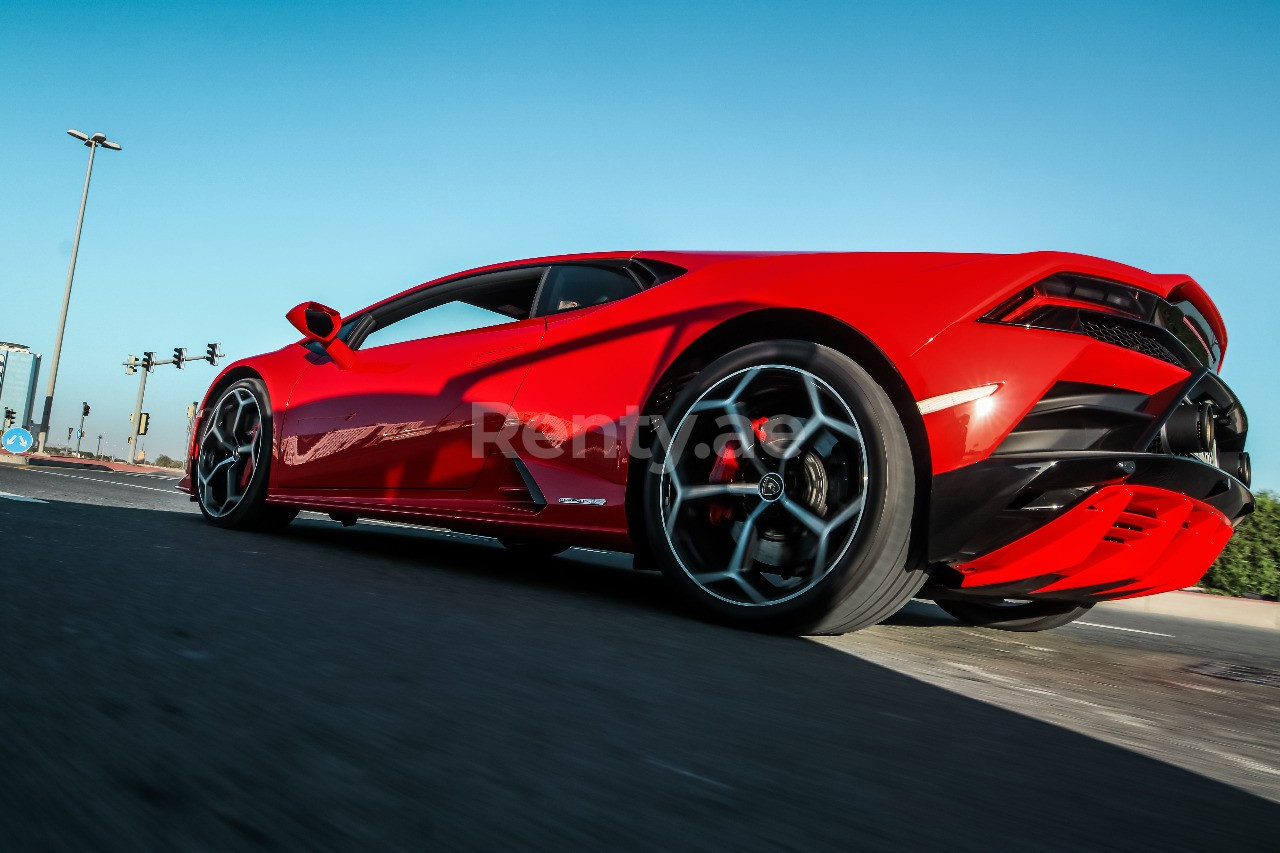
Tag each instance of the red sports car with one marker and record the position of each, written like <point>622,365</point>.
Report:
<point>800,442</point>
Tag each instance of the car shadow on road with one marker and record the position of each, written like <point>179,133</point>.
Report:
<point>171,685</point>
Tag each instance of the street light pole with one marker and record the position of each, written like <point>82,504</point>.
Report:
<point>92,142</point>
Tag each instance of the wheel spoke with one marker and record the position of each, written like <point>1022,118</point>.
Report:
<point>751,591</point>
<point>815,401</point>
<point>709,406</point>
<point>848,430</point>
<point>847,512</point>
<point>815,524</point>
<point>806,432</point>
<point>746,440</point>
<point>745,536</point>
<point>737,559</point>
<point>233,493</point>
<point>747,379</point>
<point>216,434</point>
<point>205,479</point>
<point>716,490</point>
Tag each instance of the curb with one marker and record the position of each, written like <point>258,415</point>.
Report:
<point>61,462</point>
<point>1209,608</point>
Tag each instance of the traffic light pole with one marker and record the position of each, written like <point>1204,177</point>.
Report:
<point>80,434</point>
<point>148,362</point>
<point>137,414</point>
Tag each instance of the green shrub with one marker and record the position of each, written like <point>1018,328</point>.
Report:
<point>1250,564</point>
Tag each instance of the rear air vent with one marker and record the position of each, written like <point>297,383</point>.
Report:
<point>1135,336</point>
<point>655,272</point>
<point>1078,416</point>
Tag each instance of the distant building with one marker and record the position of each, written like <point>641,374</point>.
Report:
<point>19,370</point>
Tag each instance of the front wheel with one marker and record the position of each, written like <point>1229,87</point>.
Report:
<point>233,461</point>
<point>783,498</point>
<point>1015,615</point>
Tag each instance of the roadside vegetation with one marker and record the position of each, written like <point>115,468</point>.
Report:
<point>1250,564</point>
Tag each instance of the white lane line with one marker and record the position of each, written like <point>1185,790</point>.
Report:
<point>174,490</point>
<point>23,498</point>
<point>689,774</point>
<point>1118,628</point>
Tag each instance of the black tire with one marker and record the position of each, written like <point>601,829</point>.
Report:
<point>248,471</point>
<point>874,573</point>
<point>533,547</point>
<point>1023,616</point>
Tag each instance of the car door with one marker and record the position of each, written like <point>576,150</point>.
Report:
<point>572,438</point>
<point>429,370</point>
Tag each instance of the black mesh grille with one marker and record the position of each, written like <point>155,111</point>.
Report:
<point>1129,337</point>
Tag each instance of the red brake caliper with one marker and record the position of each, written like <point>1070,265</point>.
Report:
<point>726,470</point>
<point>247,475</point>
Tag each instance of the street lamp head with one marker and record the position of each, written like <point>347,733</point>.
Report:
<point>83,137</point>
<point>99,138</point>
<point>114,146</point>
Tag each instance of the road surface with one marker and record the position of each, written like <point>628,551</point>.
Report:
<point>170,686</point>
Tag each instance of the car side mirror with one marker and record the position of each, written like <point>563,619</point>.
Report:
<point>318,322</point>
<point>321,324</point>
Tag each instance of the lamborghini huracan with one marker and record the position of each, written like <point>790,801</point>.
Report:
<point>799,442</point>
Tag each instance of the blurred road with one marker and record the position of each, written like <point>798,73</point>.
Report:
<point>169,686</point>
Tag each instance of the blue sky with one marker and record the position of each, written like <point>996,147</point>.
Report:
<point>275,152</point>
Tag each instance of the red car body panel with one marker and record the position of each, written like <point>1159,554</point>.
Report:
<point>391,437</point>
<point>1154,539</point>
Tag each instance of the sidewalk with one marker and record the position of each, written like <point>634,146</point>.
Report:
<point>1211,608</point>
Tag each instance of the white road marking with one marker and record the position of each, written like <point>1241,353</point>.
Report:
<point>22,498</point>
<point>689,773</point>
<point>30,470</point>
<point>1118,628</point>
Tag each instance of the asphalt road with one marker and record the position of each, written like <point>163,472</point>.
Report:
<point>169,686</point>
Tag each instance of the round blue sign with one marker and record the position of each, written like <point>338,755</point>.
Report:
<point>16,440</point>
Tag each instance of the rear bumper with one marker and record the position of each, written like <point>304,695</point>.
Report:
<point>1082,525</point>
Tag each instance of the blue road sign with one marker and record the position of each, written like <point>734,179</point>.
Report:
<point>16,440</point>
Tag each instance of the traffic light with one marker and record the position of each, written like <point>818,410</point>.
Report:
<point>148,360</point>
<point>131,366</point>
<point>142,426</point>
<point>9,417</point>
<point>212,354</point>
<point>84,411</point>
<point>179,356</point>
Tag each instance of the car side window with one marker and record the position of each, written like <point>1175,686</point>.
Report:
<point>455,316</point>
<point>579,286</point>
<point>487,300</point>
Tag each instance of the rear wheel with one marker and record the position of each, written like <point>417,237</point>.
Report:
<point>1015,615</point>
<point>233,461</point>
<point>783,499</point>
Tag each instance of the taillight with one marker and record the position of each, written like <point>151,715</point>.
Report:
<point>1054,303</point>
